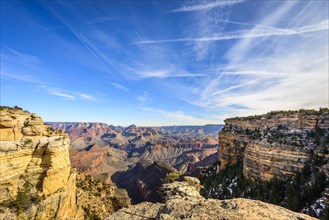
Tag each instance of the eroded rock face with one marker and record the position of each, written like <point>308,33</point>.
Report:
<point>143,180</point>
<point>183,201</point>
<point>100,162</point>
<point>183,147</point>
<point>99,199</point>
<point>275,144</point>
<point>34,155</point>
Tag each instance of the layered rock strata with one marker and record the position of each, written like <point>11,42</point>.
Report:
<point>183,201</point>
<point>275,144</point>
<point>35,156</point>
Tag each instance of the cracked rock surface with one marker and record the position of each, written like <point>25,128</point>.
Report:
<point>183,201</point>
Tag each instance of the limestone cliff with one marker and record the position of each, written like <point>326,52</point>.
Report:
<point>35,165</point>
<point>275,144</point>
<point>183,201</point>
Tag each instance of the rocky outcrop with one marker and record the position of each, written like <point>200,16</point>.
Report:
<point>275,144</point>
<point>97,199</point>
<point>183,201</point>
<point>35,164</point>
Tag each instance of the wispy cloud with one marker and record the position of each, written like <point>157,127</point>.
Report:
<point>88,34</point>
<point>323,25</point>
<point>144,98</point>
<point>166,74</point>
<point>91,48</point>
<point>233,87</point>
<point>68,95</point>
<point>179,117</point>
<point>206,6</point>
<point>20,55</point>
<point>18,63</point>
<point>87,97</point>
<point>21,77</point>
<point>291,74</point>
<point>203,56</point>
<point>119,86</point>
<point>155,73</point>
<point>60,93</point>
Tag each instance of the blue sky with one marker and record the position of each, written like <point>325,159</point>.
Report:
<point>163,62</point>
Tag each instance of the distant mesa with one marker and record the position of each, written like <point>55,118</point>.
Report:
<point>121,148</point>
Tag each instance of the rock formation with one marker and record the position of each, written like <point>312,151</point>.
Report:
<point>100,162</point>
<point>36,179</point>
<point>275,144</point>
<point>143,180</point>
<point>102,150</point>
<point>34,156</point>
<point>81,133</point>
<point>183,201</point>
<point>98,199</point>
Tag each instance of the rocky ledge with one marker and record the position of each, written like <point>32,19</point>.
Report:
<point>183,201</point>
<point>275,144</point>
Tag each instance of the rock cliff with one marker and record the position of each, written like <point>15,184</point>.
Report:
<point>275,144</point>
<point>35,163</point>
<point>36,179</point>
<point>183,201</point>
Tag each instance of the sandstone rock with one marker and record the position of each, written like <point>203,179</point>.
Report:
<point>274,144</point>
<point>183,201</point>
<point>188,188</point>
<point>33,153</point>
<point>99,199</point>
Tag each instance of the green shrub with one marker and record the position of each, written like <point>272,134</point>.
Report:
<point>171,177</point>
<point>293,192</point>
<point>23,198</point>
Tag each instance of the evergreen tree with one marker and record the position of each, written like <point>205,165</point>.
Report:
<point>326,213</point>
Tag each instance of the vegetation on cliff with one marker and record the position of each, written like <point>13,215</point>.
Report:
<point>98,199</point>
<point>36,178</point>
<point>282,112</point>
<point>299,193</point>
<point>280,157</point>
<point>24,200</point>
<point>182,200</point>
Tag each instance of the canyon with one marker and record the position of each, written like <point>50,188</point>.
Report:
<point>130,157</point>
<point>96,170</point>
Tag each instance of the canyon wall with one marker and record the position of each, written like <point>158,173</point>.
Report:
<point>35,160</point>
<point>275,144</point>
